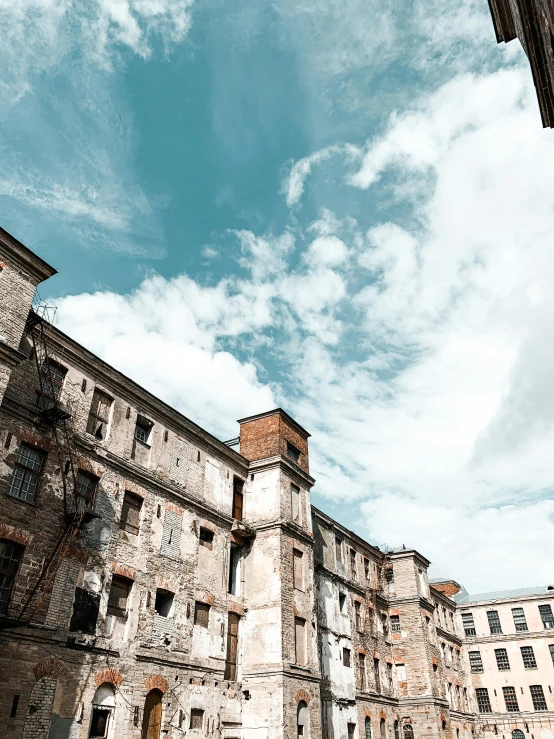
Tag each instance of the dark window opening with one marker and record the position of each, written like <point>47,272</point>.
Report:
<point>99,414</point>
<point>238,498</point>
<point>52,376</point>
<point>358,615</point>
<point>361,671</point>
<point>351,730</point>
<point>293,452</point>
<point>389,575</point>
<point>342,602</point>
<point>8,440</point>
<point>539,701</point>
<point>338,549</point>
<point>163,604</point>
<point>87,485</point>
<point>206,538</point>
<point>366,569</point>
<point>26,473</point>
<point>10,557</point>
<point>201,614</point>
<point>119,593</point>
<point>99,723</point>
<point>130,513</point>
<point>143,429</point>
<point>85,611</point>
<point>196,718</point>
<point>235,558</point>
<point>346,657</point>
<point>377,675</point>
<point>15,703</point>
<point>353,568</point>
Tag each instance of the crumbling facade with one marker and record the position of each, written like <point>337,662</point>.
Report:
<point>156,582</point>
<point>532,22</point>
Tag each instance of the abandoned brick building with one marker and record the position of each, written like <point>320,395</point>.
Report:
<point>532,22</point>
<point>156,582</point>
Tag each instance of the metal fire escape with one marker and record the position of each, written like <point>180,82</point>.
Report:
<point>58,418</point>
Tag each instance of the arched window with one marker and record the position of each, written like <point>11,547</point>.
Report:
<point>302,719</point>
<point>396,730</point>
<point>408,731</point>
<point>368,728</point>
<point>383,729</point>
<point>103,705</point>
<point>518,734</point>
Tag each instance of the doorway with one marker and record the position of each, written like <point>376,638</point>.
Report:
<point>152,720</point>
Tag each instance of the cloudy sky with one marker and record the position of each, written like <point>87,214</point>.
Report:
<point>343,208</point>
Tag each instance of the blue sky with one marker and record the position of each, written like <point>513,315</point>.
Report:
<point>340,208</point>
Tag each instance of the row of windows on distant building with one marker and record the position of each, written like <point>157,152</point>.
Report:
<point>502,660</point>
<point>511,699</point>
<point>518,614</point>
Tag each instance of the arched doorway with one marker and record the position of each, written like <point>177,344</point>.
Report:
<point>302,720</point>
<point>152,719</point>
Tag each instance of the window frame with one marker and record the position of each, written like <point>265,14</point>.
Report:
<point>146,427</point>
<point>502,659</point>
<point>546,608</point>
<point>238,499</point>
<point>496,627</point>
<point>475,662</point>
<point>520,622</point>
<point>510,699</point>
<point>123,584</point>
<point>27,473</point>
<point>293,452</point>
<point>528,657</point>
<point>201,608</point>
<point>88,504</point>
<point>537,696</point>
<point>483,700</point>
<point>95,421</point>
<point>300,644</point>
<point>131,502</point>
<point>52,381</point>
<point>394,622</point>
<point>8,575</point>
<point>469,629</point>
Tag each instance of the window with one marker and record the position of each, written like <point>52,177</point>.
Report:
<point>353,569</point>
<point>300,641</point>
<point>351,730</point>
<point>201,614</point>
<point>143,429</point>
<point>510,699</point>
<point>295,503</point>
<point>130,513</point>
<point>342,602</point>
<point>361,671</point>
<point>366,569</point>
<point>494,622</point>
<point>99,414</point>
<point>103,704</point>
<point>358,615</point>
<point>302,719</point>
<point>10,557</point>
<point>408,731</point>
<point>368,728</point>
<point>551,648</point>
<point>519,619</point>
<point>346,657</point>
<point>529,661</point>
<point>85,611</point>
<point>518,734</point>
<point>206,538</point>
<point>238,498</point>
<point>475,662</point>
<point>293,452</point>
<point>389,674</point>
<point>377,674</point>
<point>385,625</point>
<point>232,644</point>
<point>86,489</point>
<point>395,623</point>
<point>235,560</point>
<point>400,672</point>
<point>396,730</point>
<point>502,661</point>
<point>383,729</point>
<point>26,473</point>
<point>468,624</point>
<point>483,702</point>
<point>298,568</point>
<point>119,592</point>
<point>338,549</point>
<point>537,694</point>
<point>547,617</point>
<point>51,380</point>
<point>389,575</point>
<point>163,605</point>
<point>196,718</point>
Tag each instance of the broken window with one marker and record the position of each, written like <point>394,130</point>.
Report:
<point>528,655</point>
<point>295,503</point>
<point>196,718</point>
<point>86,489</point>
<point>358,615</point>
<point>338,549</point>
<point>85,611</point>
<point>238,498</point>
<point>483,701</point>
<point>468,624</point>
<point>119,592</point>
<point>475,662</point>
<point>520,621</point>
<point>99,414</point>
<point>395,623</point>
<point>389,575</point>
<point>26,473</point>
<point>537,694</point>
<point>361,671</point>
<point>547,617</point>
<point>353,569</point>
<point>143,429</point>
<point>52,376</point>
<point>502,661</point>
<point>163,604</point>
<point>494,622</point>
<point>130,513</point>
<point>201,614</point>
<point>10,557</point>
<point>510,699</point>
<point>300,641</point>
<point>232,646</point>
<point>293,452</point>
<point>298,568</point>
<point>234,570</point>
<point>346,657</point>
<point>206,538</point>
<point>103,704</point>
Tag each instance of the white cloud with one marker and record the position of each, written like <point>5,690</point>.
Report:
<point>293,185</point>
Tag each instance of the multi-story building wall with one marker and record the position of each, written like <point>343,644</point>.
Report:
<point>158,582</point>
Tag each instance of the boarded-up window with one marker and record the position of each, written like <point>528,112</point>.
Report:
<point>232,644</point>
<point>171,536</point>
<point>300,640</point>
<point>99,414</point>
<point>130,513</point>
<point>298,567</point>
<point>295,503</point>
<point>85,611</point>
<point>238,498</point>
<point>196,718</point>
<point>201,614</point>
<point>119,592</point>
